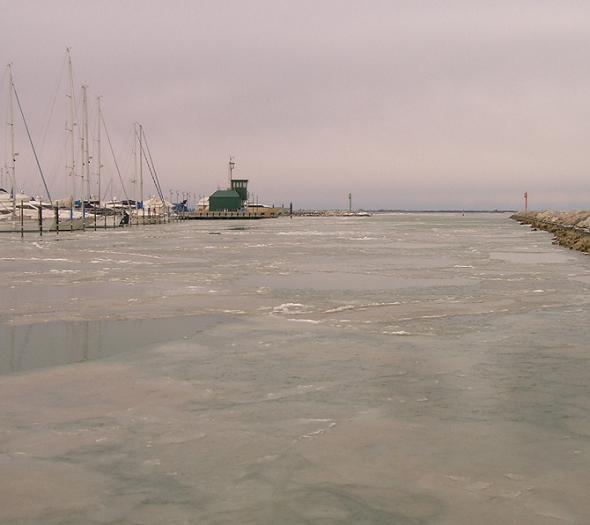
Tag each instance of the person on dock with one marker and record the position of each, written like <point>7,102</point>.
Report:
<point>124,219</point>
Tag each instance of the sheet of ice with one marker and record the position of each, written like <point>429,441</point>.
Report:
<point>217,384</point>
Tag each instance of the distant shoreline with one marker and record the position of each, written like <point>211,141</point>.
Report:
<point>441,211</point>
<point>336,213</point>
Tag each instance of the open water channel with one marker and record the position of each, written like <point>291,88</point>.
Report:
<point>409,369</point>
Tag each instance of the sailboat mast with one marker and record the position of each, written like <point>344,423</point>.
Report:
<point>22,114</point>
<point>82,156</point>
<point>141,165</point>
<point>134,179</point>
<point>86,145</point>
<point>71,169</point>
<point>11,126</point>
<point>98,159</point>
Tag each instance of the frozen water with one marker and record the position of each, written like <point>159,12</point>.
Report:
<point>155,375</point>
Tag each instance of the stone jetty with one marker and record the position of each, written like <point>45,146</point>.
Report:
<point>570,229</point>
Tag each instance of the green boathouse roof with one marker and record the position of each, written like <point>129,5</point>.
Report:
<point>225,200</point>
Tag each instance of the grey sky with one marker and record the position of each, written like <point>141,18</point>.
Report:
<point>406,104</point>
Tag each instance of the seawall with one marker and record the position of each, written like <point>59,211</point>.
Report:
<point>570,229</point>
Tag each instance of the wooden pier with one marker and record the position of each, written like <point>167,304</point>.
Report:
<point>227,215</point>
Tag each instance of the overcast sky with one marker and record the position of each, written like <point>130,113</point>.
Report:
<point>406,104</point>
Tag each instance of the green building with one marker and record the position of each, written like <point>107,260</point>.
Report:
<point>240,186</point>
<point>230,200</point>
<point>225,200</point>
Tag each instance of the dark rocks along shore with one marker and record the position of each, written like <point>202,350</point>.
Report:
<point>570,229</point>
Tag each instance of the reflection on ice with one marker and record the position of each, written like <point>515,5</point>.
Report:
<point>26,347</point>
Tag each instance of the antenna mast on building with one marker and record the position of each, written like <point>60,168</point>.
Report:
<point>230,168</point>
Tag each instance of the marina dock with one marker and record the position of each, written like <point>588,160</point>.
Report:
<point>266,213</point>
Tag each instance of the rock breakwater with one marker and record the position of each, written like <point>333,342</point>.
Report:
<point>570,229</point>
